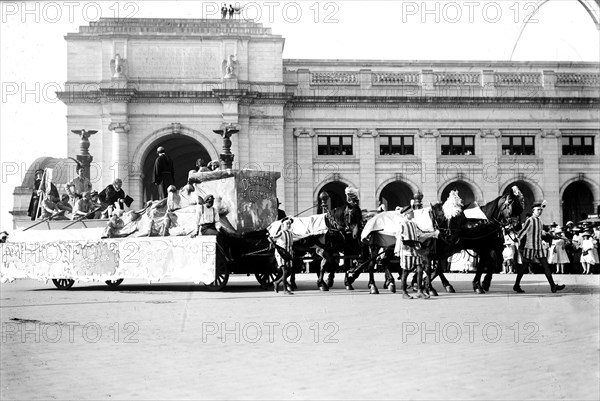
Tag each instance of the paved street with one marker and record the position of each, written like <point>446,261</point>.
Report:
<point>178,341</point>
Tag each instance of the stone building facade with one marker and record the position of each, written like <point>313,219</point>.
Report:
<point>388,128</point>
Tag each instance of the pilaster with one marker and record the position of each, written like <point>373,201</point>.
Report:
<point>550,146</point>
<point>366,155</point>
<point>304,161</point>
<point>429,159</point>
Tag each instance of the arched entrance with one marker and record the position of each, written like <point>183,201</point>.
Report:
<point>578,202</point>
<point>337,196</point>
<point>396,194</point>
<point>527,194</point>
<point>183,150</point>
<point>464,191</point>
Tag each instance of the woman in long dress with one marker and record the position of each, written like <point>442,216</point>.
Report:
<point>589,252</point>
<point>558,254</point>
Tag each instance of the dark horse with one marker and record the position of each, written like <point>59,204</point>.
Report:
<point>343,236</point>
<point>486,239</point>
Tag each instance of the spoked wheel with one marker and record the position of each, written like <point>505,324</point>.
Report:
<point>267,279</point>
<point>221,274</point>
<point>63,283</point>
<point>114,283</point>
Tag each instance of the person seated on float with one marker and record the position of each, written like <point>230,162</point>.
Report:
<point>201,166</point>
<point>115,223</point>
<point>207,217</point>
<point>113,197</point>
<point>78,185</point>
<point>214,165</point>
<point>97,205</point>
<point>50,209</point>
<point>64,204</point>
<point>84,207</point>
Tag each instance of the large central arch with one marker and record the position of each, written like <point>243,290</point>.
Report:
<point>591,6</point>
<point>183,150</point>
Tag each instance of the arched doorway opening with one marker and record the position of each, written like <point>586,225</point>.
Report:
<point>337,196</point>
<point>396,194</point>
<point>527,194</point>
<point>183,150</point>
<point>464,191</point>
<point>578,202</point>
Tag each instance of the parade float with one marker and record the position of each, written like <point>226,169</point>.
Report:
<point>158,241</point>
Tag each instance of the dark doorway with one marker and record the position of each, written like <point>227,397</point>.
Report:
<point>527,194</point>
<point>464,191</point>
<point>578,202</point>
<point>396,194</point>
<point>336,193</point>
<point>183,150</point>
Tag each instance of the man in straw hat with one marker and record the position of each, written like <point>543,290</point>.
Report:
<point>532,230</point>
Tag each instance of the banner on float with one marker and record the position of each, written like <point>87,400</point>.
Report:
<point>150,258</point>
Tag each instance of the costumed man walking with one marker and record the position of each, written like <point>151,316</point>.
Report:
<point>533,230</point>
<point>407,245</point>
<point>164,173</point>
<point>283,242</point>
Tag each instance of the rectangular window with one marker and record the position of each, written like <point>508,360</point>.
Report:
<point>396,145</point>
<point>458,145</point>
<point>577,145</point>
<point>337,145</point>
<point>518,145</point>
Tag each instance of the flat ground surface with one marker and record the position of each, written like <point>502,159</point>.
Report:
<point>178,341</point>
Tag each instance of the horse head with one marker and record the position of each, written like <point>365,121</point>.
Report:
<point>510,207</point>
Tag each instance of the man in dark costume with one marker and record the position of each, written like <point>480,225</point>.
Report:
<point>164,174</point>
<point>33,211</point>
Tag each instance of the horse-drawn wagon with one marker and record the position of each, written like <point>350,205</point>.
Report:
<point>155,243</point>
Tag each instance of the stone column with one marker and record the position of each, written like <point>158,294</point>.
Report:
<point>120,166</point>
<point>488,151</point>
<point>549,144</point>
<point>366,156</point>
<point>135,189</point>
<point>305,183</point>
<point>429,168</point>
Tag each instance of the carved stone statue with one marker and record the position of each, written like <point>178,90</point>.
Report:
<point>118,67</point>
<point>229,66</point>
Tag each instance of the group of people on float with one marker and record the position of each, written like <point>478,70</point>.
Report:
<point>79,202</point>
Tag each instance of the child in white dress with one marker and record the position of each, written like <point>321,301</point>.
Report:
<point>589,252</point>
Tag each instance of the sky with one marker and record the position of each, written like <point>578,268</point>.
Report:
<point>33,56</point>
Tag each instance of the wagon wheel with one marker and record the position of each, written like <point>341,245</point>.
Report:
<point>63,283</point>
<point>267,278</point>
<point>114,283</point>
<point>221,272</point>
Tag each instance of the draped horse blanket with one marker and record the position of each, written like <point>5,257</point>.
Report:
<point>303,227</point>
<point>383,227</point>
